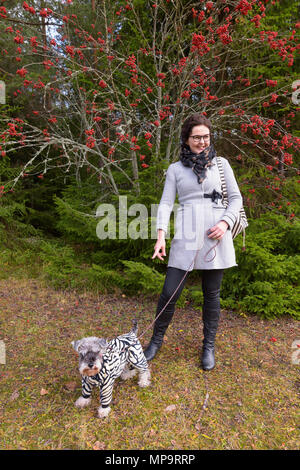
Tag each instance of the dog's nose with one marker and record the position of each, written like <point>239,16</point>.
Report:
<point>91,365</point>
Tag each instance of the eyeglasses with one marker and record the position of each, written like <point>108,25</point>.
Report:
<point>198,138</point>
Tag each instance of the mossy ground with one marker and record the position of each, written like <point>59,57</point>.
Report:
<point>249,401</point>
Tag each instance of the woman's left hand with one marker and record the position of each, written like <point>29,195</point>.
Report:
<point>218,230</point>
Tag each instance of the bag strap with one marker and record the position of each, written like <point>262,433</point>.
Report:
<point>225,196</point>
<point>223,182</point>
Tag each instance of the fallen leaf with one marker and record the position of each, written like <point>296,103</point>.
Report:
<point>170,408</point>
<point>44,391</point>
<point>198,427</point>
<point>14,395</point>
<point>99,445</point>
<point>70,386</point>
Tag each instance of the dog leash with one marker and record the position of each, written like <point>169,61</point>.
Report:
<point>185,274</point>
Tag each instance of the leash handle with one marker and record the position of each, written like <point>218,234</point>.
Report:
<point>212,248</point>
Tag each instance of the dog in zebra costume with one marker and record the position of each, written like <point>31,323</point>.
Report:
<point>101,362</point>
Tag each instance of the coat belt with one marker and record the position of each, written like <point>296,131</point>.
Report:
<point>214,196</point>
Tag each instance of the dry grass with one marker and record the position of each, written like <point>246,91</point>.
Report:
<point>249,401</point>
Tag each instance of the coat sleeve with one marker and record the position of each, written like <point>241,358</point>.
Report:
<point>167,200</point>
<point>235,200</point>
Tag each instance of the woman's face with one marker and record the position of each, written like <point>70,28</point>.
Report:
<point>199,138</point>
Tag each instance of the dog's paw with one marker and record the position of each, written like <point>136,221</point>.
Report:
<point>128,374</point>
<point>144,379</point>
<point>144,383</point>
<point>82,402</point>
<point>103,412</point>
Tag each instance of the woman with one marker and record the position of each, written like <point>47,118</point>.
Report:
<point>202,237</point>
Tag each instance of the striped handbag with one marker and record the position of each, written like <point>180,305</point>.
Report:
<point>241,221</point>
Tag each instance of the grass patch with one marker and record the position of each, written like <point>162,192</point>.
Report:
<point>251,395</point>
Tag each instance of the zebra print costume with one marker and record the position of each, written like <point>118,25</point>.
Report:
<point>121,351</point>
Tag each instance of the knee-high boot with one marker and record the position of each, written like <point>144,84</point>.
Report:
<point>160,326</point>
<point>211,284</point>
<point>210,325</point>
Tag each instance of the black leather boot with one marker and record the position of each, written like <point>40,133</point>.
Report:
<point>210,326</point>
<point>155,344</point>
<point>160,326</point>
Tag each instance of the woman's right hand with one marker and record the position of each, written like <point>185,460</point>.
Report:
<point>160,246</point>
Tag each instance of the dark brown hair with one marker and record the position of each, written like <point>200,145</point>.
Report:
<point>194,120</point>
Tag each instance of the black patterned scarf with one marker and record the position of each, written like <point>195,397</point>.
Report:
<point>199,162</point>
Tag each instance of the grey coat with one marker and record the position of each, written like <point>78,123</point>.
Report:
<point>196,215</point>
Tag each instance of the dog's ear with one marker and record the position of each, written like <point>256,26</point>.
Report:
<point>102,345</point>
<point>76,345</point>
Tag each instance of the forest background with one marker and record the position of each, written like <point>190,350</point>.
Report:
<point>95,93</point>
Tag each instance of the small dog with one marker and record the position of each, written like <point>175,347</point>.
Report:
<point>101,362</point>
